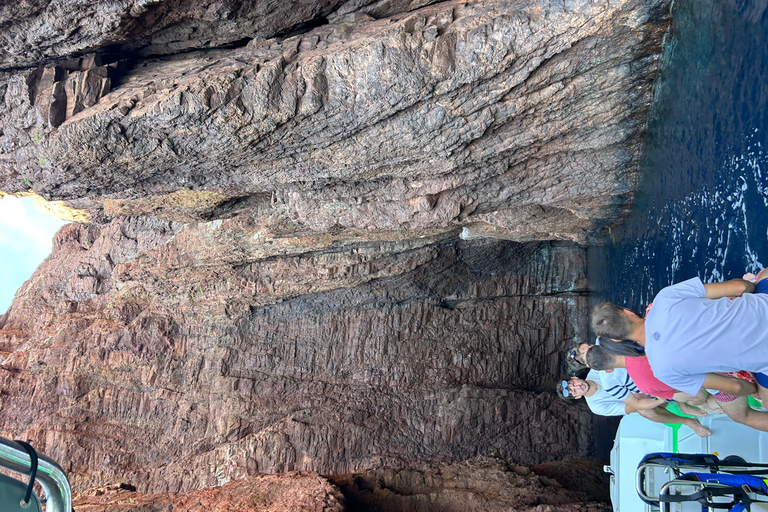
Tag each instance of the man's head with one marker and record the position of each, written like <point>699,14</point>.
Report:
<point>613,322</point>
<point>600,359</point>
<point>575,387</point>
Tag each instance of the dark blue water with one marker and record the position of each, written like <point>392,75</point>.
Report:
<point>702,199</point>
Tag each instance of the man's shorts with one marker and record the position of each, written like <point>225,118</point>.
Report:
<point>761,379</point>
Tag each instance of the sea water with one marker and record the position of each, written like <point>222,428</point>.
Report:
<point>701,207</point>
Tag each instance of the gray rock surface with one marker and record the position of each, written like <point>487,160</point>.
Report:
<point>459,113</point>
<point>34,32</point>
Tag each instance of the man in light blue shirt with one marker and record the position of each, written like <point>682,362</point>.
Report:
<point>690,332</point>
<point>695,329</point>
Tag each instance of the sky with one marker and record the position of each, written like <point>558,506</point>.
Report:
<point>26,239</point>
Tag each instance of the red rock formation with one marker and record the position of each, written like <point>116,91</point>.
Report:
<point>477,485</point>
<point>327,317</point>
<point>150,358</point>
<point>293,492</point>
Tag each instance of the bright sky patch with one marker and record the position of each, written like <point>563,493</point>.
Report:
<point>26,239</point>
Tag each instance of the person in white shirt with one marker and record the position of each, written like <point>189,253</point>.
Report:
<point>616,395</point>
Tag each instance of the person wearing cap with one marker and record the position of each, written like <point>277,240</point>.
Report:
<point>576,358</point>
<point>616,395</point>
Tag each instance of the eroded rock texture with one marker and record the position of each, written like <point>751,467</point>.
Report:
<point>460,113</point>
<point>482,485</point>
<point>274,279</point>
<point>35,31</point>
<point>163,363</point>
<point>292,492</point>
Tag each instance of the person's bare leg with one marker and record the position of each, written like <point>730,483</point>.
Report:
<point>740,412</point>
<point>712,406</point>
<point>699,429</point>
<point>662,415</point>
<point>689,409</point>
<point>695,400</point>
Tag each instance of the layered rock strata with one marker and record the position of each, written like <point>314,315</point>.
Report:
<point>291,492</point>
<point>454,114</point>
<point>38,31</point>
<point>161,362</point>
<point>274,280</point>
<point>482,485</point>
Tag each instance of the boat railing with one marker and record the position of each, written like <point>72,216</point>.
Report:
<point>50,476</point>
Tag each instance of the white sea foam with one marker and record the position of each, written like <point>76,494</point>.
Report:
<point>726,220</point>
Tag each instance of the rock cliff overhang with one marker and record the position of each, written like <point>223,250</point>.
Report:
<point>520,119</point>
<point>273,278</point>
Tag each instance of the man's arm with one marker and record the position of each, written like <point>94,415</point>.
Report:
<point>732,288</point>
<point>738,387</point>
<point>642,404</point>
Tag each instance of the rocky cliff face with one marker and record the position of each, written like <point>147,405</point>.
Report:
<point>478,485</point>
<point>273,279</point>
<point>167,364</point>
<point>387,117</point>
<point>305,492</point>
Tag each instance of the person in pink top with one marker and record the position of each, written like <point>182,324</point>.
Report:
<point>736,407</point>
<point>642,375</point>
<point>696,331</point>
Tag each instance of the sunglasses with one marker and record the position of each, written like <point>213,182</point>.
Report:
<point>566,394</point>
